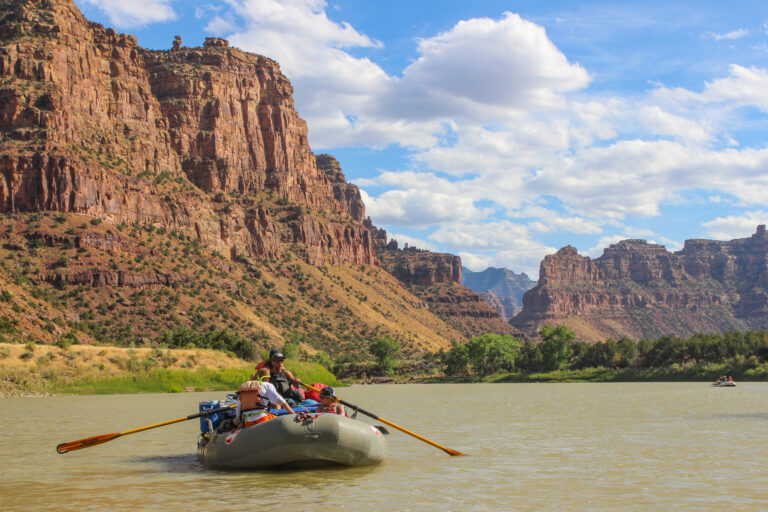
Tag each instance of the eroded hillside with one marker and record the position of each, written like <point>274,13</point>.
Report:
<point>66,274</point>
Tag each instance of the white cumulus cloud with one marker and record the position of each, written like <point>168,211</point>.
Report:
<point>507,142</point>
<point>135,13</point>
<point>505,63</point>
<point>735,226</point>
<point>482,69</point>
<point>743,87</point>
<point>733,34</point>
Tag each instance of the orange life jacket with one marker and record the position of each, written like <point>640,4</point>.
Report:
<point>255,416</point>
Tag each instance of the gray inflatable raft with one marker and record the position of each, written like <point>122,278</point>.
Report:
<point>322,439</point>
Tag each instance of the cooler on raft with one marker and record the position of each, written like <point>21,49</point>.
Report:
<point>216,418</point>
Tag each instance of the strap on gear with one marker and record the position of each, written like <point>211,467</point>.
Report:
<point>304,416</point>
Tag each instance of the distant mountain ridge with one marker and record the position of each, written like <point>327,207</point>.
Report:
<point>638,290</point>
<point>499,287</point>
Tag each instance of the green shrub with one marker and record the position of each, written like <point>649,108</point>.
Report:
<point>67,339</point>
<point>491,353</point>
<point>184,337</point>
<point>386,351</point>
<point>8,325</point>
<point>323,360</point>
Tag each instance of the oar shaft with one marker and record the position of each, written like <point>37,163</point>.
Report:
<point>421,438</point>
<point>358,409</point>
<point>401,429</point>
<point>184,418</point>
<point>398,427</point>
<point>141,429</point>
<point>103,438</point>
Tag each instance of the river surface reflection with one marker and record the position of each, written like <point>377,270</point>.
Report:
<point>627,446</point>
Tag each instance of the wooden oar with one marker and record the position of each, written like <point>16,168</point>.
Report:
<point>398,427</point>
<point>103,438</point>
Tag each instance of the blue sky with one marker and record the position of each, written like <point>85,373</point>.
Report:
<point>502,130</point>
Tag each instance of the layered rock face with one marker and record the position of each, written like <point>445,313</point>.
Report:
<point>436,279</point>
<point>501,288</point>
<point>638,289</point>
<point>205,141</point>
<point>424,268</point>
<point>345,193</point>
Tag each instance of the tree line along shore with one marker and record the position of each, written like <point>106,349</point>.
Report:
<point>71,368</point>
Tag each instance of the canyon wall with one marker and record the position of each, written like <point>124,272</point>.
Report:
<point>205,141</point>
<point>637,289</point>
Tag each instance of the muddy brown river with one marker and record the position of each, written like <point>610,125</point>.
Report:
<point>628,446</point>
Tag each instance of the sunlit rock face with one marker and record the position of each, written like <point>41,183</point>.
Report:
<point>202,140</point>
<point>638,289</point>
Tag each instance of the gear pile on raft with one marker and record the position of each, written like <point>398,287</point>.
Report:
<point>271,422</point>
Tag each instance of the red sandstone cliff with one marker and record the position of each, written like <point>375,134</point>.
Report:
<point>640,290</point>
<point>343,192</point>
<point>423,268</point>
<point>142,186</point>
<point>205,141</point>
<point>436,279</point>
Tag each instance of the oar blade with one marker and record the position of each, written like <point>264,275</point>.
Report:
<point>85,443</point>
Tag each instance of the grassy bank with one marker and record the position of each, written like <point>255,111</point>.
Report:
<point>83,369</point>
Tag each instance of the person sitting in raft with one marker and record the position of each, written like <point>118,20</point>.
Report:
<point>328,403</point>
<point>282,379</point>
<point>254,408</point>
<point>270,398</point>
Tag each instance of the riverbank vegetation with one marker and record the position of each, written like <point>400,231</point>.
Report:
<point>86,369</point>
<point>560,358</point>
<point>175,366</point>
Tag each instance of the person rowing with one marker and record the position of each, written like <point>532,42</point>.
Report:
<point>282,379</point>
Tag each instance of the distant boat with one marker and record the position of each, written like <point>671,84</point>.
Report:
<point>724,384</point>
